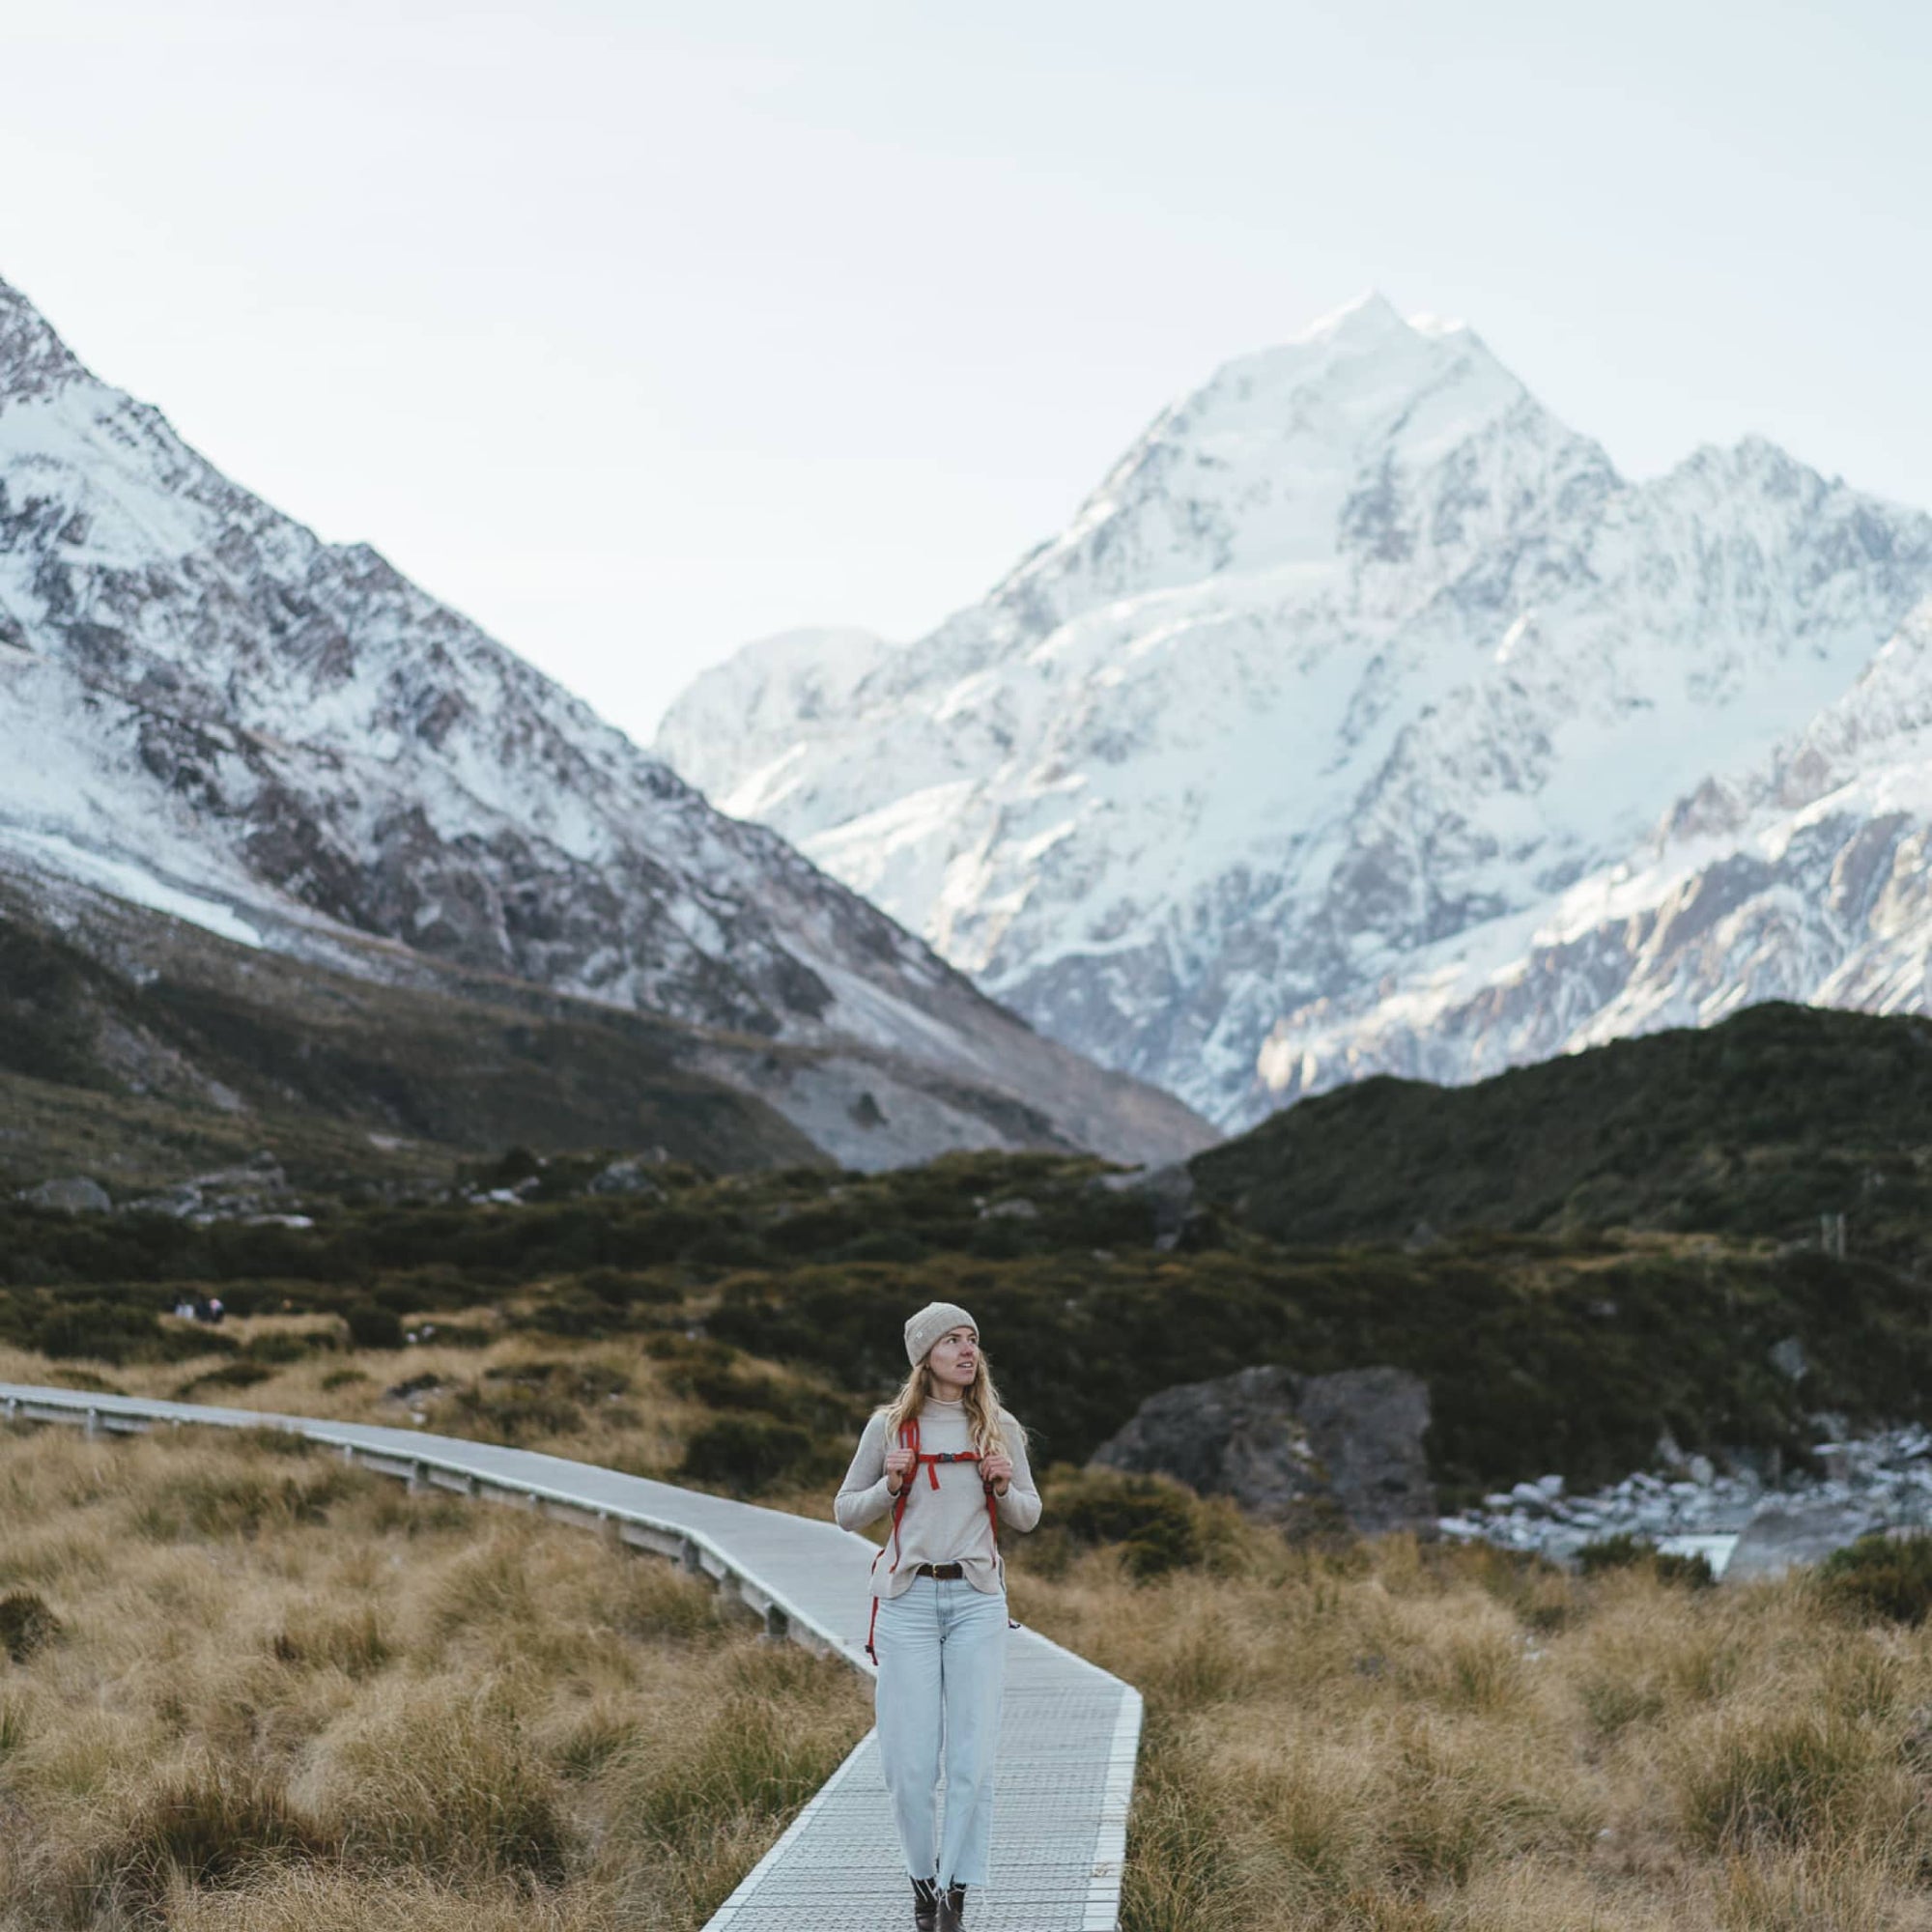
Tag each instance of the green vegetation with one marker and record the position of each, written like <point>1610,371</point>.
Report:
<point>1542,1351</point>
<point>1342,1735</point>
<point>1750,1129</point>
<point>1881,1575</point>
<point>1626,1552</point>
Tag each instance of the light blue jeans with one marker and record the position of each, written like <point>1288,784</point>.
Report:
<point>942,1670</point>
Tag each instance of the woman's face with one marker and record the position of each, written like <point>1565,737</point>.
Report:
<point>954,1359</point>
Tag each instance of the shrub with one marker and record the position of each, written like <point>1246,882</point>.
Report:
<point>1152,1520</point>
<point>581,1317</point>
<point>1626,1552</point>
<point>235,1375</point>
<point>1882,1576</point>
<point>281,1345</point>
<point>1693,1571</point>
<point>737,1387</point>
<point>1622,1551</point>
<point>517,1411</point>
<point>373,1326</point>
<point>619,1287</point>
<point>209,1827</point>
<point>26,1624</point>
<point>518,1400</point>
<point>585,1381</point>
<point>749,1451</point>
<point>1791,1778</point>
<point>108,1331</point>
<point>454,1334</point>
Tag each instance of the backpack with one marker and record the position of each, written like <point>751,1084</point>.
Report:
<point>909,1439</point>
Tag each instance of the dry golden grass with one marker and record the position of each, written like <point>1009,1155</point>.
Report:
<point>283,1693</point>
<point>606,1402</point>
<point>1418,1741</point>
<point>286,1695</point>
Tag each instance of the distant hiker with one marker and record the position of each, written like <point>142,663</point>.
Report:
<point>956,1467</point>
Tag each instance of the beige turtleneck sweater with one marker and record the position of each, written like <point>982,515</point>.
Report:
<point>948,1525</point>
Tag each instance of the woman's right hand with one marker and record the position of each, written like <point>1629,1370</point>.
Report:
<point>898,1463</point>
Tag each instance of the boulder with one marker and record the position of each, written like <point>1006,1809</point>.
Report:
<point>1781,1536</point>
<point>1016,1207</point>
<point>1295,1450</point>
<point>623,1177</point>
<point>78,1193</point>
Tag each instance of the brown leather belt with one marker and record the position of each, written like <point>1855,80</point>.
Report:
<point>943,1571</point>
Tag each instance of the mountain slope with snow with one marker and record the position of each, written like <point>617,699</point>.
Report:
<point>1294,741</point>
<point>202,705</point>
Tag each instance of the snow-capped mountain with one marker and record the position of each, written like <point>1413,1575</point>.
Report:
<point>205,708</point>
<point>1803,875</point>
<point>1333,733</point>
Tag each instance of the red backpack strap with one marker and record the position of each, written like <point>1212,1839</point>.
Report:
<point>908,1438</point>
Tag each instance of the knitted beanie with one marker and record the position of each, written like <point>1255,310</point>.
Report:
<point>924,1329</point>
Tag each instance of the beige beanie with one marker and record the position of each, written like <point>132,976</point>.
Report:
<point>924,1329</point>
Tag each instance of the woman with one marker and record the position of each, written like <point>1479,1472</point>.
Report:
<point>945,1458</point>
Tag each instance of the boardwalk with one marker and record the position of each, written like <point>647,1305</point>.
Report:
<point>1067,1739</point>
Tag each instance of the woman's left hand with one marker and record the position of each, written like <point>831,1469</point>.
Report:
<point>998,1472</point>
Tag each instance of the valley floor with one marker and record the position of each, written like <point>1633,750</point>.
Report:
<point>250,1687</point>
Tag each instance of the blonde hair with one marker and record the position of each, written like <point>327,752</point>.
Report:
<point>987,1422</point>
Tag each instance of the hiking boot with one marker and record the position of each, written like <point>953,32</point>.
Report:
<point>924,1904</point>
<point>951,1910</point>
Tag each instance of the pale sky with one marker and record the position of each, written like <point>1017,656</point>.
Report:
<point>637,331</point>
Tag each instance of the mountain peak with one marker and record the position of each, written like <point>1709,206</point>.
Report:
<point>1370,317</point>
<point>1348,693</point>
<point>33,358</point>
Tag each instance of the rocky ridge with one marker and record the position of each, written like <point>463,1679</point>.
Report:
<point>208,712</point>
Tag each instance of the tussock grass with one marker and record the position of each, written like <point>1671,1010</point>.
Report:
<point>272,1691</point>
<point>1437,1739</point>
<point>640,1405</point>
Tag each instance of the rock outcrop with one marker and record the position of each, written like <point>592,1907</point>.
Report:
<point>1306,1452</point>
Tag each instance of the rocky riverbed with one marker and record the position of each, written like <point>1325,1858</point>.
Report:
<point>1747,1520</point>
